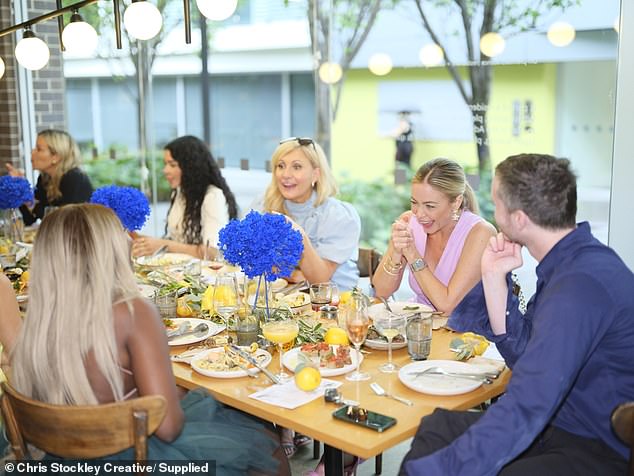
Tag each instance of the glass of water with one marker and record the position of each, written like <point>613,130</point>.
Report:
<point>418,332</point>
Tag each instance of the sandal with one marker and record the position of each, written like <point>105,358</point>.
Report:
<point>349,470</point>
<point>289,449</point>
<point>300,440</point>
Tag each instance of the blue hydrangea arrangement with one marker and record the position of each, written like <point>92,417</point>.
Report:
<point>262,245</point>
<point>130,205</point>
<point>14,191</point>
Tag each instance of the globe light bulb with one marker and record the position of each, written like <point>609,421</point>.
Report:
<point>380,64</point>
<point>2,68</point>
<point>561,33</point>
<point>330,73</point>
<point>31,52</point>
<point>79,37</point>
<point>142,20</point>
<point>217,10</point>
<point>492,44</point>
<point>431,55</point>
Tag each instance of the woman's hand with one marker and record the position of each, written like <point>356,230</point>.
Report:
<point>13,172</point>
<point>402,238</point>
<point>146,245</point>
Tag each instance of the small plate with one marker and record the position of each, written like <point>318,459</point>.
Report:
<point>262,356</point>
<point>147,290</point>
<point>166,260</point>
<point>438,384</point>
<point>193,322</point>
<point>382,345</point>
<point>292,300</point>
<point>399,307</point>
<point>290,359</point>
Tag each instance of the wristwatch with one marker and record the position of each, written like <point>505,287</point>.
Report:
<point>418,265</point>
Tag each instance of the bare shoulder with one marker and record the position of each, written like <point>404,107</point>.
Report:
<point>481,231</point>
<point>136,313</point>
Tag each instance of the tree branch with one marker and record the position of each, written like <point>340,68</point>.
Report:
<point>448,63</point>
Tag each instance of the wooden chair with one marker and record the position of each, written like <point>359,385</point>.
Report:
<point>623,425</point>
<point>369,260</point>
<point>80,432</point>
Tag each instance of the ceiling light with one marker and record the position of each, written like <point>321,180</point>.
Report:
<point>561,33</point>
<point>79,37</point>
<point>330,73</point>
<point>217,10</point>
<point>31,52</point>
<point>431,55</point>
<point>492,44</point>
<point>380,64</point>
<point>142,20</point>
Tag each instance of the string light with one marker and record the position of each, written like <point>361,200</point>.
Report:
<point>330,73</point>
<point>561,33</point>
<point>380,64</point>
<point>142,20</point>
<point>492,44</point>
<point>79,37</point>
<point>2,68</point>
<point>431,55</point>
<point>31,52</point>
<point>217,10</point>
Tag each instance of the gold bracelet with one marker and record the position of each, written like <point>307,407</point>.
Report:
<point>394,266</point>
<point>391,272</point>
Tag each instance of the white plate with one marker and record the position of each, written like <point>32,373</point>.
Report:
<point>379,310</point>
<point>382,345</point>
<point>193,322</point>
<point>261,355</point>
<point>438,384</point>
<point>290,360</point>
<point>168,259</point>
<point>290,298</point>
<point>146,290</point>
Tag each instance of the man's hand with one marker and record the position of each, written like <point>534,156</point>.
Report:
<point>501,256</point>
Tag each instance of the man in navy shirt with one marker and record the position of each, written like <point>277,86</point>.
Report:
<point>572,352</point>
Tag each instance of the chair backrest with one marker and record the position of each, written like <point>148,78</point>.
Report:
<point>369,259</point>
<point>623,425</point>
<point>89,431</point>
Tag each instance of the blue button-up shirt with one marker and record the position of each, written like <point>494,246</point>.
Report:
<point>572,356</point>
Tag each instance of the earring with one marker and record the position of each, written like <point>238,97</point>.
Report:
<point>313,184</point>
<point>455,216</point>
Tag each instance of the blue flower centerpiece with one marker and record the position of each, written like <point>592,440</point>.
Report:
<point>263,245</point>
<point>129,204</point>
<point>14,191</point>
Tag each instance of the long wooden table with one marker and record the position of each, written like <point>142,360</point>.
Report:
<point>315,419</point>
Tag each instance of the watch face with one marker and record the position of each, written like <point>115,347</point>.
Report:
<point>418,264</point>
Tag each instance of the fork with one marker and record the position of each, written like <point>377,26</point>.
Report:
<point>480,377</point>
<point>382,393</point>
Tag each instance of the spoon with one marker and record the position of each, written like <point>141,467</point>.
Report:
<point>380,391</point>
<point>198,331</point>
<point>387,306</point>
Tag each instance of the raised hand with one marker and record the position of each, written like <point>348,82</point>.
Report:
<point>13,172</point>
<point>402,239</point>
<point>501,256</point>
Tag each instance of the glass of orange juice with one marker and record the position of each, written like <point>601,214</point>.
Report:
<point>280,333</point>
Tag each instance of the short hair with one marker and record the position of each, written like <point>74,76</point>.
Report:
<point>542,186</point>
<point>325,187</point>
<point>448,177</point>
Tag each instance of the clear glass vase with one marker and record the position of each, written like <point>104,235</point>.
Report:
<point>11,225</point>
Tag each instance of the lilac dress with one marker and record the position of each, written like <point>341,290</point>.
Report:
<point>449,259</point>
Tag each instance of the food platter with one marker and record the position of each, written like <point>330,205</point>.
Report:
<point>399,307</point>
<point>291,359</point>
<point>297,302</point>
<point>164,261</point>
<point>213,363</point>
<point>381,344</point>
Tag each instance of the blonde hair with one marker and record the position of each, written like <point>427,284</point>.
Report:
<point>64,146</point>
<point>80,267</point>
<point>325,186</point>
<point>448,177</point>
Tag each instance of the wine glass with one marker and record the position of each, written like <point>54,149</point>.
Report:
<point>281,332</point>
<point>226,298</point>
<point>390,325</point>
<point>357,323</point>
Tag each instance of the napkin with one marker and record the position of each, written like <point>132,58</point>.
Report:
<point>289,396</point>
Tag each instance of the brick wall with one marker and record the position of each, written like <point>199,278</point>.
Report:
<point>48,83</point>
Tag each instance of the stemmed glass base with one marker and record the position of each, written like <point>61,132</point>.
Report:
<point>357,376</point>
<point>281,375</point>
<point>389,367</point>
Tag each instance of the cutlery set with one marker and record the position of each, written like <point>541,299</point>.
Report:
<point>484,377</point>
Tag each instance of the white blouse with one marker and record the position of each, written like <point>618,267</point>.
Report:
<point>213,216</point>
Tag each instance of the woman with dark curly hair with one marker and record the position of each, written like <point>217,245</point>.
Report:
<point>201,201</point>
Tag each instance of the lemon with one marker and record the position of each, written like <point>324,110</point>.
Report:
<point>307,378</point>
<point>183,308</point>
<point>344,297</point>
<point>336,335</point>
<point>207,301</point>
<point>481,347</point>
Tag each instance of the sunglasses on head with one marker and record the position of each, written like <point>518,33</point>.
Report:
<point>300,140</point>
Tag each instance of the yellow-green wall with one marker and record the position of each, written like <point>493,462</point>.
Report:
<point>358,151</point>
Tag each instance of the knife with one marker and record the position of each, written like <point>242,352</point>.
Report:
<point>249,358</point>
